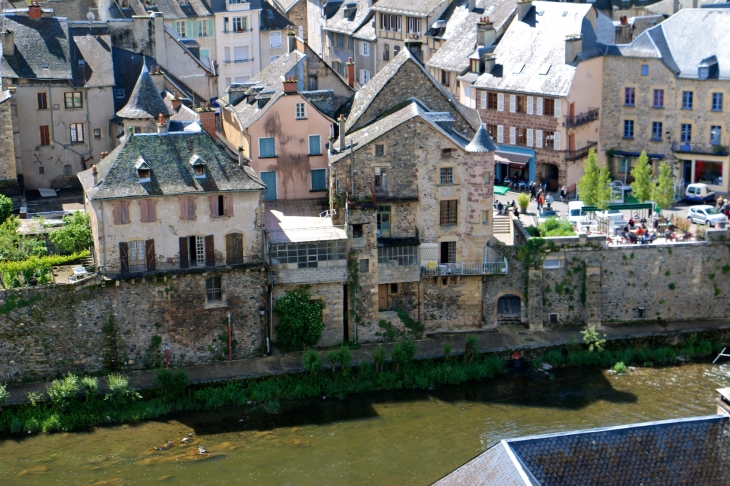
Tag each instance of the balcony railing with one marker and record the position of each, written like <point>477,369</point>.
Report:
<point>238,61</point>
<point>448,269</point>
<point>241,31</point>
<point>581,118</point>
<point>696,148</point>
<point>165,267</point>
<point>580,153</point>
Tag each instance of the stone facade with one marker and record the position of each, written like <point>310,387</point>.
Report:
<point>7,138</point>
<point>333,315</point>
<point>125,324</point>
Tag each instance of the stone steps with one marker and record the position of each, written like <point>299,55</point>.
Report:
<point>501,224</point>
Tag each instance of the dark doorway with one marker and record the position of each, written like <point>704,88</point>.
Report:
<point>509,309</point>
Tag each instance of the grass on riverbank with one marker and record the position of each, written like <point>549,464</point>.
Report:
<point>266,392</point>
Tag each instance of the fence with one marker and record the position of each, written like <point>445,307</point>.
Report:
<point>484,268</point>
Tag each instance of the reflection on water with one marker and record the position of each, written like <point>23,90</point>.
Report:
<point>408,437</point>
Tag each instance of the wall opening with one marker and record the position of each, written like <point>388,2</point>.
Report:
<point>509,309</point>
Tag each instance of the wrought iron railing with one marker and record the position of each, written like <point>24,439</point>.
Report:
<point>696,148</point>
<point>581,118</point>
<point>175,267</point>
<point>484,268</point>
<point>580,153</point>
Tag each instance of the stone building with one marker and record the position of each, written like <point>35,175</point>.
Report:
<point>296,12</point>
<point>666,93</point>
<point>145,107</point>
<point>63,77</point>
<point>539,92</point>
<point>344,40</point>
<point>273,29</point>
<point>8,163</point>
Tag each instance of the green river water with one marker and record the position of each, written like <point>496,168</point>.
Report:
<point>394,438</point>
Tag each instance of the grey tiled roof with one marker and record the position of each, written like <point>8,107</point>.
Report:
<point>666,7</point>
<point>373,88</point>
<point>96,52</point>
<point>40,42</point>
<point>481,142</point>
<point>415,7</point>
<point>71,9</point>
<point>145,101</point>
<point>288,4</point>
<point>348,25</point>
<point>367,31</point>
<point>168,156</point>
<point>495,467</point>
<point>174,9</point>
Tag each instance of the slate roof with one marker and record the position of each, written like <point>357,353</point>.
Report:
<point>38,43</point>
<point>348,25</point>
<point>367,31</point>
<point>461,31</point>
<point>368,93</point>
<point>71,9</point>
<point>287,5</point>
<point>481,142</point>
<point>678,451</point>
<point>174,9</point>
<point>145,100</point>
<point>537,41</point>
<point>683,41</point>
<point>400,114</point>
<point>666,7</point>
<point>271,19</point>
<point>168,155</point>
<point>412,7</point>
<point>96,52</point>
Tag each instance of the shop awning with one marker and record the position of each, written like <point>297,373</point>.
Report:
<point>511,158</point>
<point>636,154</point>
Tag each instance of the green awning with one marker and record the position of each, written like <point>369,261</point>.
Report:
<point>621,207</point>
<point>500,190</point>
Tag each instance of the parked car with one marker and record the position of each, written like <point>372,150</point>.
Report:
<point>615,219</point>
<point>575,211</point>
<point>698,193</point>
<point>543,215</point>
<point>706,215</point>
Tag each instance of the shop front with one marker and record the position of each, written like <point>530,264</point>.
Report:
<point>514,165</point>
<point>713,170</point>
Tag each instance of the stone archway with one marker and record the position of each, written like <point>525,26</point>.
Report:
<point>551,174</point>
<point>509,308</point>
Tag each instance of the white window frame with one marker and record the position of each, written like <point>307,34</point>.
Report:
<point>74,130</point>
<point>239,22</point>
<point>136,252</point>
<point>272,37</point>
<point>200,250</point>
<point>552,264</point>
<point>539,106</point>
<point>513,135</point>
<point>300,111</point>
<point>180,28</point>
<point>530,137</point>
<point>512,103</point>
<point>500,101</point>
<point>500,133</point>
<point>364,76</point>
<point>364,49</point>
<point>203,28</point>
<point>530,105</point>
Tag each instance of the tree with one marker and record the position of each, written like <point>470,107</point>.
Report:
<point>641,187</point>
<point>663,192</point>
<point>594,188</point>
<point>15,247</point>
<point>6,208</point>
<point>300,319</point>
<point>75,234</point>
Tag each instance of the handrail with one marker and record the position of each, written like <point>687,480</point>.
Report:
<point>581,118</point>
<point>580,153</point>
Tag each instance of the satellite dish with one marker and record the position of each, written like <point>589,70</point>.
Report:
<point>91,16</point>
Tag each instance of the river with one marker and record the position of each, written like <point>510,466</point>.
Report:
<point>406,437</point>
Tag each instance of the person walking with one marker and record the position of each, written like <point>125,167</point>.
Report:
<point>563,194</point>
<point>549,201</point>
<point>540,201</point>
<point>533,191</point>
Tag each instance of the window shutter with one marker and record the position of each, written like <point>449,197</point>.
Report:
<point>558,108</point>
<point>484,100</point>
<point>556,136</point>
<point>143,211</point>
<point>191,207</point>
<point>190,28</point>
<point>151,210</point>
<point>209,251</point>
<point>512,103</point>
<point>184,262</point>
<point>230,250</point>
<point>229,205</point>
<point>124,206</point>
<point>124,256</point>
<point>183,208</point>
<point>512,135</point>
<point>210,27</point>
<point>117,212</point>
<point>530,103</point>
<point>529,137</point>
<point>500,133</point>
<point>196,30</point>
<point>149,252</point>
<point>500,101</point>
<point>213,206</point>
<point>238,250</point>
<point>538,137</point>
<point>539,105</point>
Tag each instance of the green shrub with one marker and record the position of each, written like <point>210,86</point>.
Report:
<point>340,357</point>
<point>300,319</point>
<point>470,348</point>
<point>555,227</point>
<point>172,383</point>
<point>403,353</point>
<point>91,387</point>
<point>620,368</point>
<point>533,231</point>
<point>31,425</point>
<point>16,425</point>
<point>4,395</point>
<point>51,424</point>
<point>63,391</point>
<point>6,208</point>
<point>447,351</point>
<point>380,354</point>
<point>75,234</point>
<point>120,393</point>
<point>554,358</point>
<point>593,340</point>
<point>312,361</point>
<point>35,398</point>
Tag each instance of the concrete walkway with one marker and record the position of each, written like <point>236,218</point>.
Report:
<point>498,339</point>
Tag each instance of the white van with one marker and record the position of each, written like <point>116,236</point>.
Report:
<point>575,212</point>
<point>698,193</point>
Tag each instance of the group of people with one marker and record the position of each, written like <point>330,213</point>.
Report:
<point>643,233</point>
<point>723,205</point>
<point>503,209</point>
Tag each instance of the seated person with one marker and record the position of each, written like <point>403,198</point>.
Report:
<point>500,207</point>
<point>632,223</point>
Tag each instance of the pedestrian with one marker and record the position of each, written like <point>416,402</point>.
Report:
<point>563,194</point>
<point>533,191</point>
<point>540,201</point>
<point>719,203</point>
<point>500,207</point>
<point>516,211</point>
<point>549,201</point>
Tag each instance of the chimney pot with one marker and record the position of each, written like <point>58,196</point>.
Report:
<point>241,160</point>
<point>34,11</point>
<point>290,84</point>
<point>523,7</point>
<point>95,171</point>
<point>8,43</point>
<point>341,123</point>
<point>351,73</point>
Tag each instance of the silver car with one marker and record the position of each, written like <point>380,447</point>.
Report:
<point>707,215</point>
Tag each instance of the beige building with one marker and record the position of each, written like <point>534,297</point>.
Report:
<point>272,30</point>
<point>670,98</point>
<point>63,77</point>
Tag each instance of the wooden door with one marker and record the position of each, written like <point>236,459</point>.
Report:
<point>383,296</point>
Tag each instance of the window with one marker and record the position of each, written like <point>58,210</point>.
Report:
<point>549,139</point>
<point>628,128</point>
<point>446,175</point>
<point>444,78</point>
<point>383,221</point>
<point>485,217</point>
<point>148,210</point>
<point>500,133</point>
<point>398,255</point>
<point>121,212</point>
<point>685,134</point>
<point>644,69</point>
<point>180,28</point>
<point>448,252</point>
<point>629,96</point>
<point>213,289</point>
<point>446,153</point>
<point>656,130</point>
<point>199,250</point>
<point>521,104</point>
<point>381,179</point>
<point>337,66</point>
<point>339,41</point>
<point>315,147</point>
<point>715,134</point>
<point>390,22</point>
<point>239,25</point>
<point>708,172</point>
<point>549,107</point>
<point>414,25</point>
<point>72,100</point>
<point>76,132</point>
<point>687,97</point>
<point>187,208</point>
<point>136,254</point>
<point>716,101</point>
<point>310,255</point>
<point>42,100</point>
<point>364,76</point>
<point>492,101</point>
<point>703,71</point>
<point>203,28</point>
<point>521,136</point>
<point>386,52</point>
<point>221,205</point>
<point>396,50</point>
<point>274,40</point>
<point>365,265</point>
<point>266,147</point>
<point>448,211</point>
<point>551,264</point>
<point>379,150</point>
<point>319,179</point>
<point>357,230</point>
<point>97,132</point>
<point>658,98</point>
<point>301,111</point>
<point>41,170</point>
<point>273,58</point>
<point>364,49</point>
<point>393,288</point>
<point>144,174</point>
<point>67,170</point>
<point>624,165</point>
<point>45,131</point>
<point>492,131</point>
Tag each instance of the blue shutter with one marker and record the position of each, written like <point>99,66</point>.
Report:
<point>319,181</point>
<point>210,28</point>
<point>269,178</point>
<point>266,147</point>
<point>314,145</point>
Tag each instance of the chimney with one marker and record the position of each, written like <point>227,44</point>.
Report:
<point>675,6</point>
<point>290,84</point>
<point>694,3</point>
<point>8,43</point>
<point>350,73</point>
<point>34,11</point>
<point>486,34</point>
<point>523,7</point>
<point>472,5</point>
<point>489,61</point>
<point>291,40</point>
<point>573,47</point>
<point>95,171</point>
<point>158,78</point>
<point>176,101</point>
<point>341,123</point>
<point>161,125</point>
<point>241,158</point>
<point>414,44</point>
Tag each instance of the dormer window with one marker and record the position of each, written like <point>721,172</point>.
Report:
<point>198,167</point>
<point>144,175</point>
<point>475,66</point>
<point>707,67</point>
<point>144,171</point>
<point>199,171</point>
<point>703,72</point>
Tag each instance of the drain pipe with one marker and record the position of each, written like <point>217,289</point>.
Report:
<point>230,338</point>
